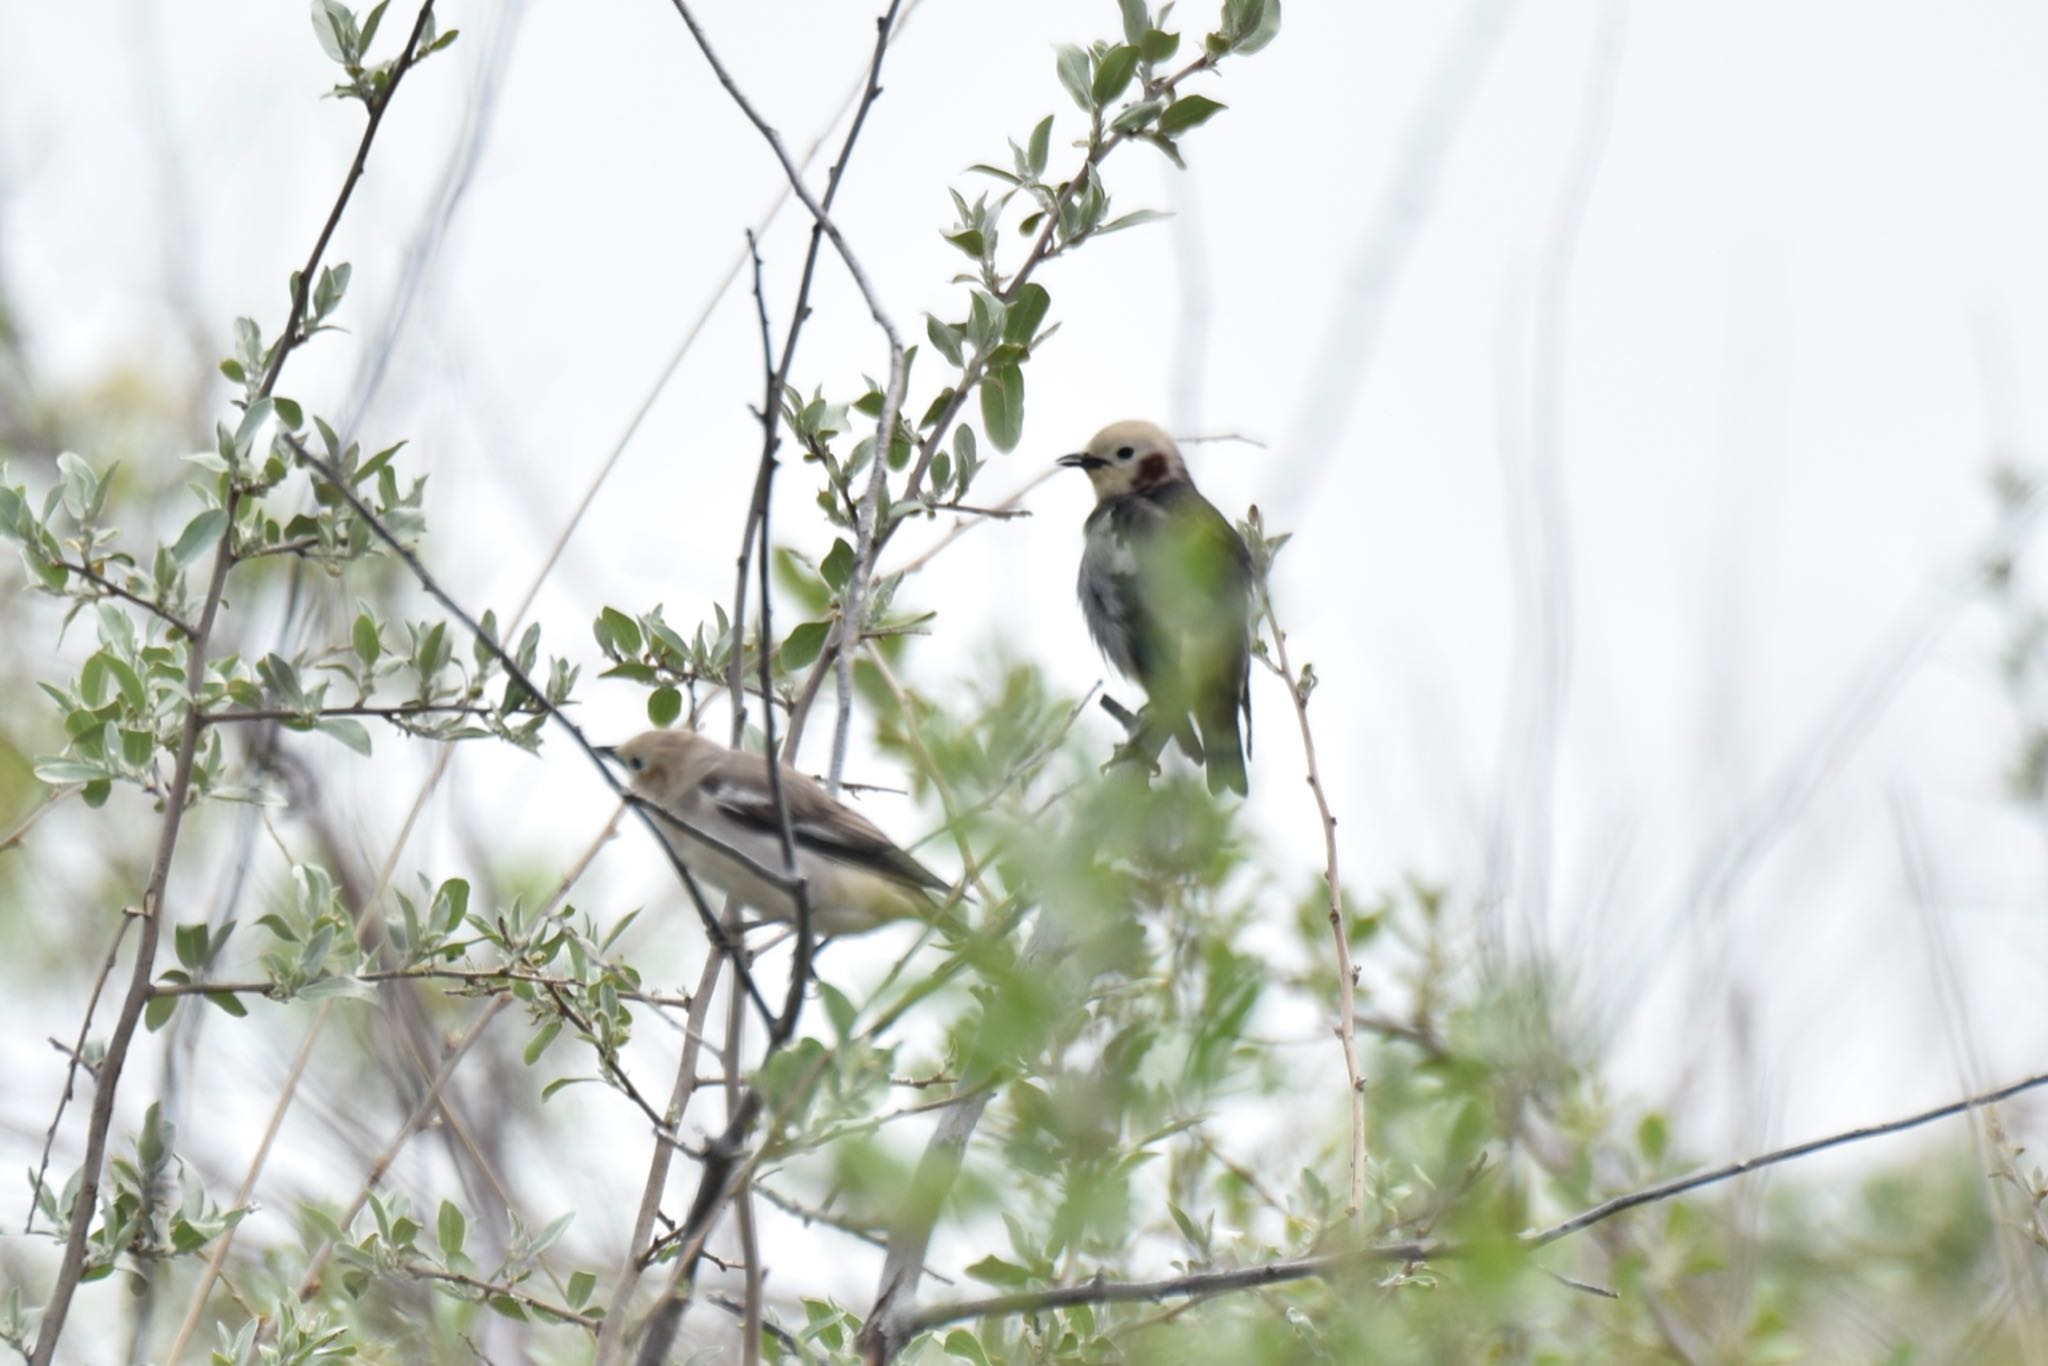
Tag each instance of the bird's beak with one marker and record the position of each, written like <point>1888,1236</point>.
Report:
<point>607,752</point>
<point>1081,460</point>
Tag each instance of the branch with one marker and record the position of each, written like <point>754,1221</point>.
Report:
<point>795,175</point>
<point>112,589</point>
<point>1197,1284</point>
<point>302,285</point>
<point>392,713</point>
<point>73,1264</point>
<point>611,1337</point>
<point>1652,1194</point>
<point>479,977</point>
<point>1340,930</point>
<point>76,1053</point>
<point>510,1292</point>
<point>57,797</point>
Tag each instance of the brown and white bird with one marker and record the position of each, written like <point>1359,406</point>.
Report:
<point>1166,587</point>
<point>855,877</point>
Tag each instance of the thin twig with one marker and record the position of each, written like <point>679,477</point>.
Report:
<point>510,1292</point>
<point>76,1054</point>
<point>392,713</point>
<point>612,1336</point>
<point>1200,1283</point>
<point>494,979</point>
<point>1664,1191</point>
<point>57,797</point>
<point>112,589</point>
<point>1010,506</point>
<point>1340,928</point>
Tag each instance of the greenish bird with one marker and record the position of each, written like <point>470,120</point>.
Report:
<point>1166,588</point>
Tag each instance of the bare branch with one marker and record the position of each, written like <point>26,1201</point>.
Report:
<point>1664,1191</point>
<point>76,1054</point>
<point>1340,927</point>
<point>1197,1284</point>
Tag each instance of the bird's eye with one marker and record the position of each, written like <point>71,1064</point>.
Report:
<point>636,763</point>
<point>1125,453</point>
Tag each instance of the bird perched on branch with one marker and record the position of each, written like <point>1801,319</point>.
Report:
<point>716,809</point>
<point>1166,586</point>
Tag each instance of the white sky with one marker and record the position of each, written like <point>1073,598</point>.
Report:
<point>1774,424</point>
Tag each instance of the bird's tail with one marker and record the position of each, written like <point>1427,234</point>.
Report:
<point>1225,748</point>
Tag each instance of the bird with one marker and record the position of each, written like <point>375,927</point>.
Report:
<point>1166,588</point>
<point>855,877</point>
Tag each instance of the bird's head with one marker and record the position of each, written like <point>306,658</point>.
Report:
<point>1129,457</point>
<point>665,765</point>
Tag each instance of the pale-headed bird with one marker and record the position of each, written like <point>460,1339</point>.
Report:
<point>855,877</point>
<point>1166,586</point>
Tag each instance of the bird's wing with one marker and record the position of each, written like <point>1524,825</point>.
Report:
<point>740,789</point>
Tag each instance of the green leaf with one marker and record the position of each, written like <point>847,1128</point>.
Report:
<point>1027,311</point>
<point>336,29</point>
<point>1041,146</point>
<point>1156,46</point>
<point>1264,27</point>
<point>581,1283</point>
<point>838,565</point>
<point>944,336</point>
<point>157,1013</point>
<point>1114,73</point>
<point>1187,112</point>
<point>1653,1137</point>
<point>199,536</point>
<point>228,1002</point>
<point>963,1344</point>
<point>995,1271</point>
<point>1132,220</point>
<point>664,705</point>
<point>190,942</point>
<point>804,644</point>
<point>453,1228</point>
<point>364,637</point>
<point>80,484</point>
<point>1136,20</point>
<point>132,689</point>
<point>1136,116</point>
<point>1073,69</point>
<point>970,241</point>
<point>839,1008</point>
<point>542,1037</point>
<point>289,413</point>
<point>349,731</point>
<point>58,772</point>
<point>619,633</point>
<point>1002,406</point>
